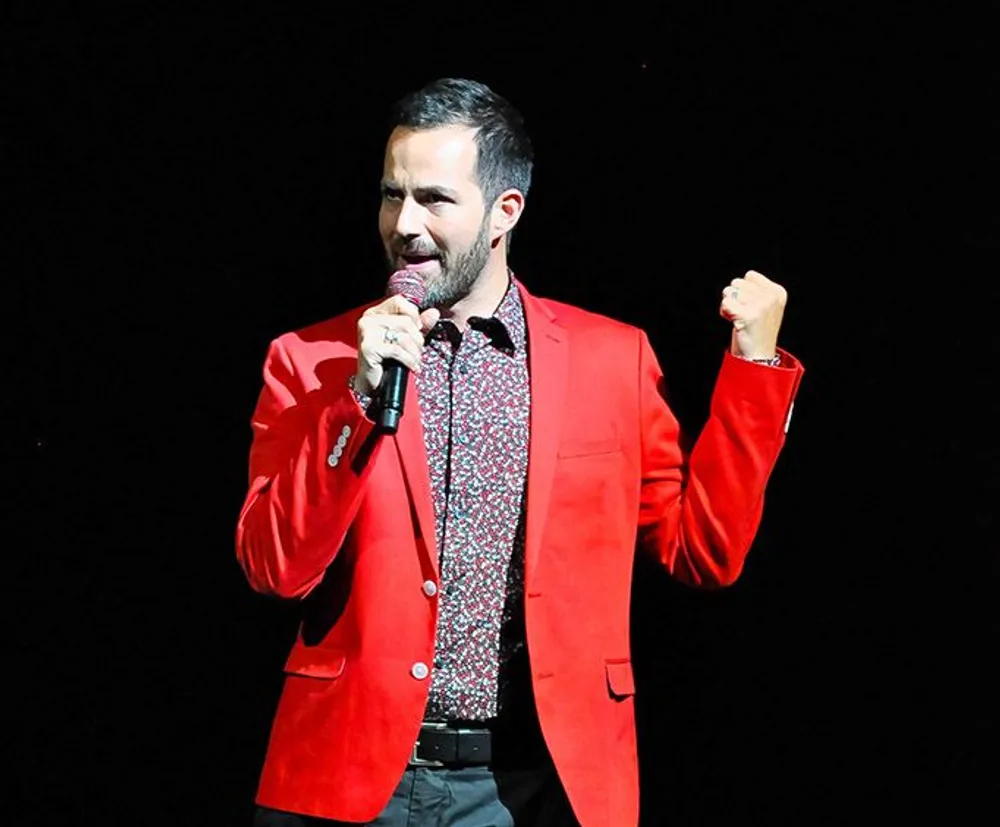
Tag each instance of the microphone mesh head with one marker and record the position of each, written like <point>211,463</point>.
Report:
<point>409,285</point>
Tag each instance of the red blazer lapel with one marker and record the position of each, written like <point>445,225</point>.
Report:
<point>547,359</point>
<point>409,439</point>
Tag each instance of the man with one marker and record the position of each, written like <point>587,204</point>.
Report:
<point>463,656</point>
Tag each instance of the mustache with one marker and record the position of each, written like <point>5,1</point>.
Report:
<point>417,250</point>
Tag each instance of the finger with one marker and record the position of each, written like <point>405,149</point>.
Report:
<point>404,352</point>
<point>393,306</point>
<point>429,318</point>
<point>378,327</point>
<point>374,353</point>
<point>404,324</point>
<point>730,309</point>
<point>398,305</point>
<point>411,347</point>
<point>754,277</point>
<point>731,292</point>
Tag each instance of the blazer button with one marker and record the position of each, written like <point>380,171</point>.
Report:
<point>430,588</point>
<point>419,670</point>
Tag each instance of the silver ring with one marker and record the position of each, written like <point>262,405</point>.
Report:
<point>735,294</point>
<point>391,336</point>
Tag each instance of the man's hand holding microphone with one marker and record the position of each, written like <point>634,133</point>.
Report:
<point>391,342</point>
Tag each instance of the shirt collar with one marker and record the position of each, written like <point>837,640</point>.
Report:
<point>505,329</point>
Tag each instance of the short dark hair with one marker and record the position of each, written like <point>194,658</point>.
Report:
<point>504,154</point>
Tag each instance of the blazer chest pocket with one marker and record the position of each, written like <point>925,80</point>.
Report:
<point>315,662</point>
<point>588,447</point>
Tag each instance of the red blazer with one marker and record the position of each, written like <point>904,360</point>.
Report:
<point>353,528</point>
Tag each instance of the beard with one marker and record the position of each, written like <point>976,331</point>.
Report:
<point>457,273</point>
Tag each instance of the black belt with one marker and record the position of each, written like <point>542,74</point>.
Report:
<point>439,745</point>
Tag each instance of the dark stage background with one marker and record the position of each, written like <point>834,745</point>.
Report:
<point>183,186</point>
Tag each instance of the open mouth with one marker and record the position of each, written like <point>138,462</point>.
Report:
<point>416,261</point>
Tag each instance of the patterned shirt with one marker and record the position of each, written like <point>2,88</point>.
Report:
<point>474,407</point>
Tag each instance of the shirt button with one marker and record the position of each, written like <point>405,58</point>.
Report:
<point>430,588</point>
<point>419,670</point>
<point>345,431</point>
<point>332,460</point>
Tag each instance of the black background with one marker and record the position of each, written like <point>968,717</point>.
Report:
<point>183,186</point>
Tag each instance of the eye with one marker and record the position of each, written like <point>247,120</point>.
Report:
<point>390,194</point>
<point>436,198</point>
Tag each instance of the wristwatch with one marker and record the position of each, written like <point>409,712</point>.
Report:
<point>774,361</point>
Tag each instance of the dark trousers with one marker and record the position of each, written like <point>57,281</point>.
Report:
<point>466,797</point>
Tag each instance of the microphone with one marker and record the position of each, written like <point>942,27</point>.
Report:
<point>410,286</point>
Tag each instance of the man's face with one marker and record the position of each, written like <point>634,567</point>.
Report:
<point>433,220</point>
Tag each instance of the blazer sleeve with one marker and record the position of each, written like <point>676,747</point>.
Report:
<point>312,450</point>
<point>700,508</point>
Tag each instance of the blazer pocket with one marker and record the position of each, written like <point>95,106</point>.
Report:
<point>315,662</point>
<point>621,681</point>
<point>589,447</point>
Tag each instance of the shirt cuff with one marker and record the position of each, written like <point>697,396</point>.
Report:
<point>363,399</point>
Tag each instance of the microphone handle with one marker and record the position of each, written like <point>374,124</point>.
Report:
<point>393,395</point>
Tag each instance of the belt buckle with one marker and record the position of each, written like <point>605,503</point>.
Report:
<point>426,762</point>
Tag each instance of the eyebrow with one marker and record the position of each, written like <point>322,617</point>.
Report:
<point>447,192</point>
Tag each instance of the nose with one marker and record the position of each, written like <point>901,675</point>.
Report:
<point>409,219</point>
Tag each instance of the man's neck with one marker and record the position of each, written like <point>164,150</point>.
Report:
<point>484,298</point>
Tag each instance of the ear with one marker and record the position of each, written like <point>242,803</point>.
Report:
<point>505,214</point>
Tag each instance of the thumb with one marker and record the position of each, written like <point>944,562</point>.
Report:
<point>429,318</point>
